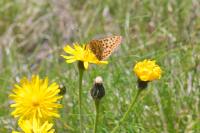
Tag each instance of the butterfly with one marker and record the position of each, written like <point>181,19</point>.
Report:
<point>104,47</point>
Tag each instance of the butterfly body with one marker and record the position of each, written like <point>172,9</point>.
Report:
<point>103,48</point>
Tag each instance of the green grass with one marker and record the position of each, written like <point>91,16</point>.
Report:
<point>33,33</point>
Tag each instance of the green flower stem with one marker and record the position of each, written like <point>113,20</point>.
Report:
<point>80,97</point>
<point>97,115</point>
<point>127,112</point>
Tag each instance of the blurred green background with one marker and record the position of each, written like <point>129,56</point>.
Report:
<point>33,33</point>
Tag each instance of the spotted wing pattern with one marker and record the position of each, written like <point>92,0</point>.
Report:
<point>103,48</point>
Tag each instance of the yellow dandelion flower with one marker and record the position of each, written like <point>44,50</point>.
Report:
<point>82,54</point>
<point>147,70</point>
<point>35,99</point>
<point>35,126</point>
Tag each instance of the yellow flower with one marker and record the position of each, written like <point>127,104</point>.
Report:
<point>82,54</point>
<point>35,99</point>
<point>147,70</point>
<point>35,126</point>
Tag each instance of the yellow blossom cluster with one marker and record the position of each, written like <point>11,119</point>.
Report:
<point>35,102</point>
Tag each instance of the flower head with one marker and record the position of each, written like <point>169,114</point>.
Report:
<point>35,126</point>
<point>83,54</point>
<point>147,70</point>
<point>98,92</point>
<point>34,98</point>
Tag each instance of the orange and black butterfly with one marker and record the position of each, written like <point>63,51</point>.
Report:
<point>104,47</point>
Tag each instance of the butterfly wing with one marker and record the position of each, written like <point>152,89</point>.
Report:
<point>103,48</point>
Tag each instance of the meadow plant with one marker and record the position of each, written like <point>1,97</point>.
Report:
<point>84,56</point>
<point>32,34</point>
<point>35,102</point>
<point>146,71</point>
<point>97,92</point>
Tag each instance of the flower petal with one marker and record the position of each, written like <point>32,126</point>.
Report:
<point>86,64</point>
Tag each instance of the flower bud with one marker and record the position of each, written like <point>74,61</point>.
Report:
<point>97,91</point>
<point>62,89</point>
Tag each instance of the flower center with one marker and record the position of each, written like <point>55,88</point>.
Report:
<point>35,102</point>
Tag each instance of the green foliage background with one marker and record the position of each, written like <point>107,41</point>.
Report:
<point>33,33</point>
